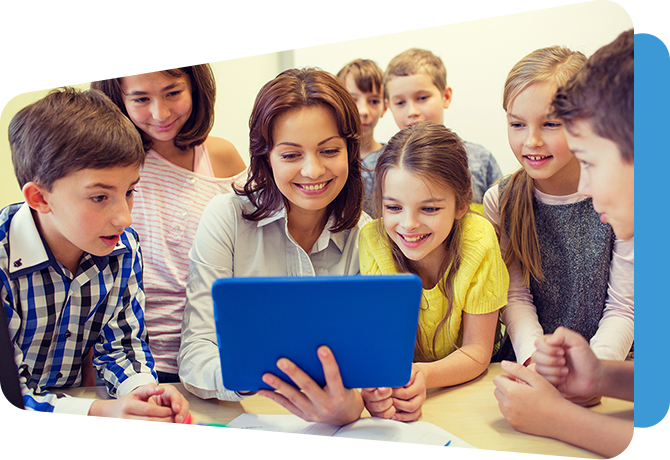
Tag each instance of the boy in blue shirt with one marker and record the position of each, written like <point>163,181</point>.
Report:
<point>415,89</point>
<point>70,269</point>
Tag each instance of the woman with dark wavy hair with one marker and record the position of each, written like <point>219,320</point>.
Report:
<point>299,214</point>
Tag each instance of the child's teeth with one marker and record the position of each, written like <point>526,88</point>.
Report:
<point>412,240</point>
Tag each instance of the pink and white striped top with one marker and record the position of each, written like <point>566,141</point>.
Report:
<point>168,205</point>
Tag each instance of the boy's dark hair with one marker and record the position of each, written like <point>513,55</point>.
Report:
<point>602,93</point>
<point>413,61</point>
<point>290,90</point>
<point>69,130</point>
<point>203,93</point>
<point>367,75</point>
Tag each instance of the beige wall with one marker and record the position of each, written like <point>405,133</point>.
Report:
<point>238,82</point>
<point>236,91</point>
<point>9,187</point>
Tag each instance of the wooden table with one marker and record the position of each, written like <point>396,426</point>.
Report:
<point>469,411</point>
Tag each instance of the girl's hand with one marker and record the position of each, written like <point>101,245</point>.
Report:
<point>378,402</point>
<point>579,400</point>
<point>172,398</point>
<point>527,400</point>
<point>408,400</point>
<point>532,405</point>
<point>147,402</point>
<point>333,404</point>
<point>566,360</point>
<point>582,401</point>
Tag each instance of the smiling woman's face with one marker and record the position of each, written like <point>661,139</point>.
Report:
<point>309,158</point>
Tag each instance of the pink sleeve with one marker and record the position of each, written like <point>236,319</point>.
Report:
<point>615,331</point>
<point>519,315</point>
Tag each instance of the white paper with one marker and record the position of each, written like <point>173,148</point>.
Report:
<point>372,428</point>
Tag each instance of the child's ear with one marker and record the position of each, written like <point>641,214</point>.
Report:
<point>35,197</point>
<point>386,105</point>
<point>447,97</point>
<point>461,212</point>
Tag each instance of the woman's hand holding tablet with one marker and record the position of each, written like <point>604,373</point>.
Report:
<point>333,404</point>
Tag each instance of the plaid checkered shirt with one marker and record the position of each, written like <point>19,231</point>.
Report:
<point>55,318</point>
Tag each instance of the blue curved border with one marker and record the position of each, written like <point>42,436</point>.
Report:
<point>652,170</point>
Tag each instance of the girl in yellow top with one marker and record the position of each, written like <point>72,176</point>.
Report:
<point>423,189</point>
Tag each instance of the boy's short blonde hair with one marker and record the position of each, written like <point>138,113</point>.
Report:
<point>367,75</point>
<point>413,61</point>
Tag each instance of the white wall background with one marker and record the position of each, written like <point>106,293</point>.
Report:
<point>478,55</point>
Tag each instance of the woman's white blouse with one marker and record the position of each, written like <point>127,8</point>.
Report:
<point>226,244</point>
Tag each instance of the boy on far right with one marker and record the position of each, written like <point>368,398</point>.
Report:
<point>597,111</point>
<point>596,106</point>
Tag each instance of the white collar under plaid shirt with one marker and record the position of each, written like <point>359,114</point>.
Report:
<point>54,319</point>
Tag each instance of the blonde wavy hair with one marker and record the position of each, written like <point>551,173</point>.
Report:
<point>556,65</point>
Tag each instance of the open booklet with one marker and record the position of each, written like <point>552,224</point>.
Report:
<point>373,428</point>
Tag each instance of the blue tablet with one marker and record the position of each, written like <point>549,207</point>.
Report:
<point>368,321</point>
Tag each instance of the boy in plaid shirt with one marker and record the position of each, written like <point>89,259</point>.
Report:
<point>70,269</point>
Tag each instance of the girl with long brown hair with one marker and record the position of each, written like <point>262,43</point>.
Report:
<point>423,181</point>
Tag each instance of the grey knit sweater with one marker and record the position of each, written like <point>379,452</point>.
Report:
<point>576,252</point>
